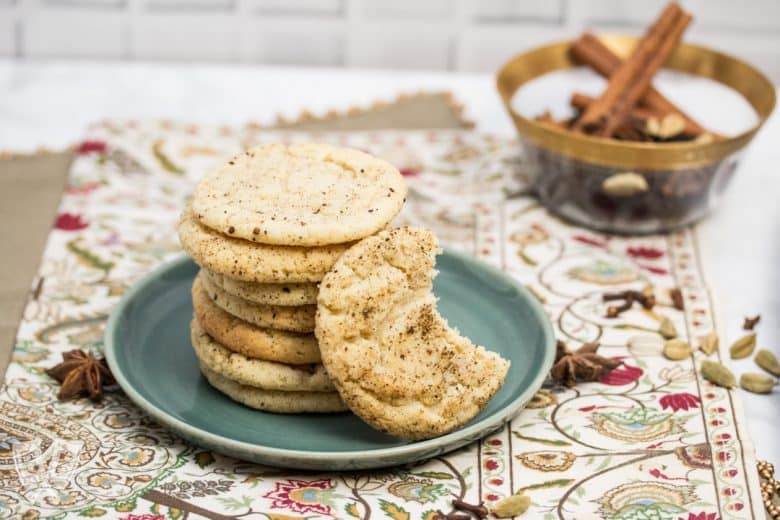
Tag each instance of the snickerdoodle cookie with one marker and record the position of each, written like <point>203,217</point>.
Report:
<point>392,357</point>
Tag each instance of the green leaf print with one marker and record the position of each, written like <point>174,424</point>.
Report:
<point>204,458</point>
<point>163,159</point>
<point>125,507</point>
<point>435,474</point>
<point>546,442</point>
<point>352,510</point>
<point>234,504</point>
<point>393,511</point>
<point>563,482</point>
<point>175,513</point>
<point>87,257</point>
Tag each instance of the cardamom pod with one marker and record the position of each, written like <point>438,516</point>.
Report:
<point>709,344</point>
<point>718,374</point>
<point>768,361</point>
<point>667,328</point>
<point>757,383</point>
<point>513,505</point>
<point>667,127</point>
<point>743,347</point>
<point>645,345</point>
<point>624,184</point>
<point>677,349</point>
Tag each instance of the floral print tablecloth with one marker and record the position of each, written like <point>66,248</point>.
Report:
<point>652,439</point>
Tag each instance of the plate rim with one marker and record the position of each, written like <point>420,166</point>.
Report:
<point>469,431</point>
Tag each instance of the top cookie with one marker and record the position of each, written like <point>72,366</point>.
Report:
<point>300,194</point>
<point>392,357</point>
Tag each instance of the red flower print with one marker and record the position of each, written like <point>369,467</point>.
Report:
<point>70,222</point>
<point>657,473</point>
<point>88,147</point>
<point>649,253</point>
<point>701,516</point>
<point>595,242</point>
<point>409,172</point>
<point>654,270</point>
<point>491,465</point>
<point>302,496</point>
<point>491,497</point>
<point>495,442</point>
<point>622,375</point>
<point>681,401</point>
<point>655,445</point>
<point>591,407</point>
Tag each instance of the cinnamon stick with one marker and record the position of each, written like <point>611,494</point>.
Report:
<point>623,76</point>
<point>633,76</point>
<point>581,102</point>
<point>589,50</point>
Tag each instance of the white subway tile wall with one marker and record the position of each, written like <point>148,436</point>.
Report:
<point>298,42</point>
<point>184,37</point>
<point>62,32</point>
<point>7,34</point>
<point>508,11</point>
<point>467,35</point>
<point>300,7</point>
<point>412,45</point>
<point>433,10</point>
<point>190,5</point>
<point>631,14</point>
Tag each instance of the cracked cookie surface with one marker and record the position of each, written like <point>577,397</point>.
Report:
<point>302,194</point>
<point>391,355</point>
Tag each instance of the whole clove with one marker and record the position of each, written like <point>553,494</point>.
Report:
<point>477,509</point>
<point>613,311</point>
<point>677,299</point>
<point>451,516</point>
<point>629,297</point>
<point>750,323</point>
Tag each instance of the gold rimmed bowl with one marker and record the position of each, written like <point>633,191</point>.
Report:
<point>625,186</point>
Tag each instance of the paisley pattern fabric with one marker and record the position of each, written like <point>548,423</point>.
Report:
<point>652,439</point>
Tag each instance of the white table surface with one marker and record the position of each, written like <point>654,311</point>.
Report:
<point>50,104</point>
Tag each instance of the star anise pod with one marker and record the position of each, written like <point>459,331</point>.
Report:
<point>581,365</point>
<point>81,375</point>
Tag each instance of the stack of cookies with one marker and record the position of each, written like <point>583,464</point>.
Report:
<point>265,228</point>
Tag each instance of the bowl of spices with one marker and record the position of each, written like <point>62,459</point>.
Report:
<point>618,153</point>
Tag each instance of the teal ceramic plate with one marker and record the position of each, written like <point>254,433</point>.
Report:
<point>148,349</point>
